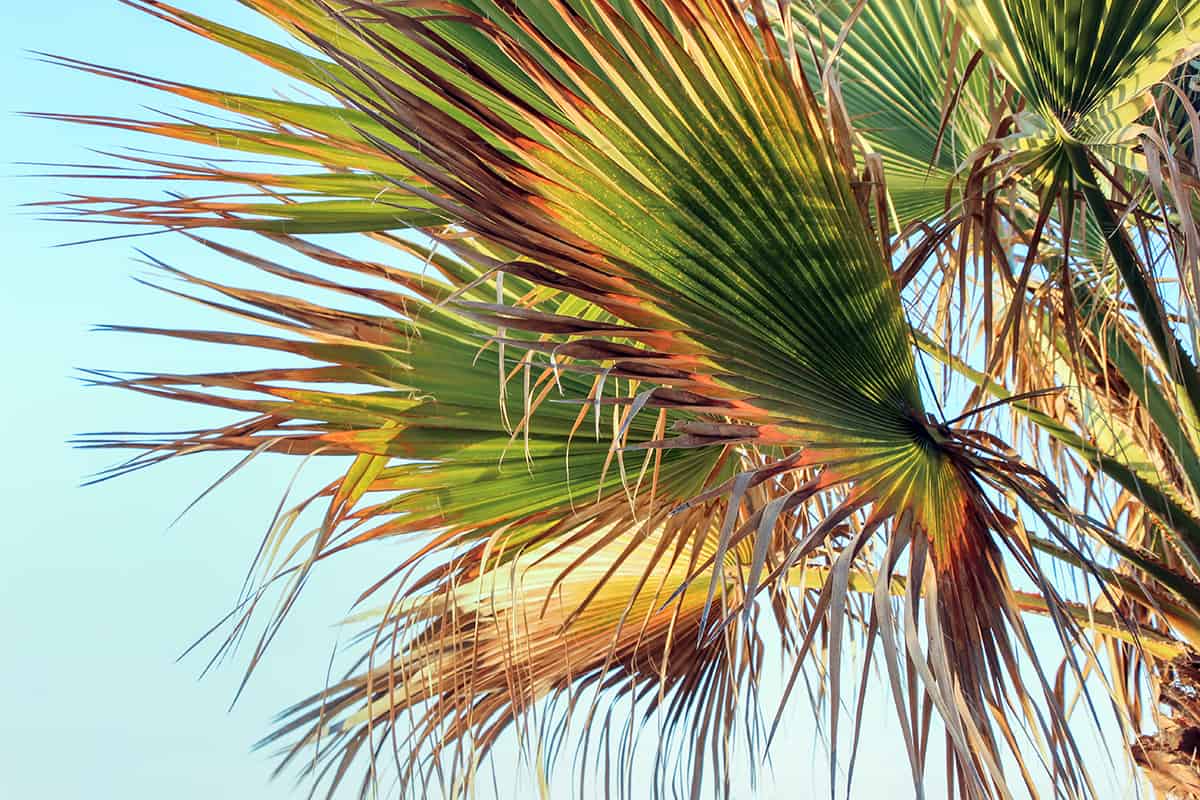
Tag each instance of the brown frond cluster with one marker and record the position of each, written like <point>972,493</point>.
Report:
<point>465,652</point>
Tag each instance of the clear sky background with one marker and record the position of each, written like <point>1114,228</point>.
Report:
<point>98,591</point>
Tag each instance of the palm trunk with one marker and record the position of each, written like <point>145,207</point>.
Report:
<point>1170,758</point>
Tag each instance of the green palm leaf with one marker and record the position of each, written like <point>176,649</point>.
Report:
<point>911,91</point>
<point>1084,68</point>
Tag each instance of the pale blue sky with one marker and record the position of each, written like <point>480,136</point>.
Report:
<point>97,595</point>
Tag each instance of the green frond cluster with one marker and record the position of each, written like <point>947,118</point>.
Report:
<point>645,383</point>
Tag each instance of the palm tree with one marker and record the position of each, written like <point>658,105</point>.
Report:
<point>649,382</point>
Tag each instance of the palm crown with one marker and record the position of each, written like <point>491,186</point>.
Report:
<point>644,385</point>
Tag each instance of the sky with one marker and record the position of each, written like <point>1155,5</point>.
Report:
<point>100,588</point>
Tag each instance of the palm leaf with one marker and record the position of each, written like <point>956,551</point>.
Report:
<point>1084,68</point>
<point>911,90</point>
